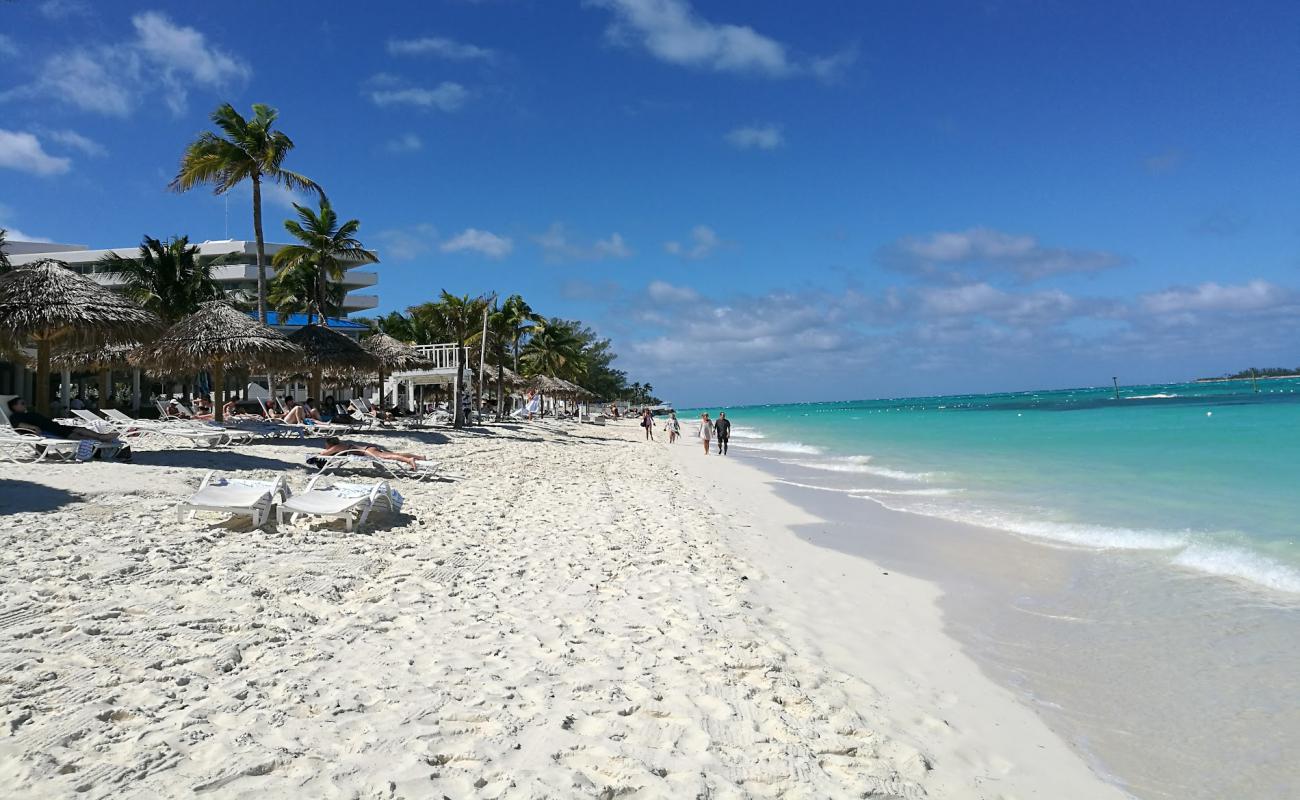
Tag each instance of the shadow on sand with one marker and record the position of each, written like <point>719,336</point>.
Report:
<point>20,497</point>
<point>211,459</point>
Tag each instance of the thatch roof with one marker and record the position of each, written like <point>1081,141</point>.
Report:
<point>46,300</point>
<point>218,333</point>
<point>108,356</point>
<point>510,377</point>
<point>330,351</point>
<point>391,353</point>
<point>546,384</point>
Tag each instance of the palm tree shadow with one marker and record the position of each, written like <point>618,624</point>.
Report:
<point>25,497</point>
<point>224,460</point>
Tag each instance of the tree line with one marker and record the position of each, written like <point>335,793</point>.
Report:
<point>171,278</point>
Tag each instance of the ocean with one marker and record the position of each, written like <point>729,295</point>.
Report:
<point>1129,566</point>
<point>1206,474</point>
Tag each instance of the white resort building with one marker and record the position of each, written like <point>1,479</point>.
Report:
<point>237,271</point>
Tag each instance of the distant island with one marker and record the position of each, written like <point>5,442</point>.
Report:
<point>1256,372</point>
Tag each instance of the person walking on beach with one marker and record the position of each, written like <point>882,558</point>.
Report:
<point>706,431</point>
<point>648,422</point>
<point>673,427</point>
<point>722,430</point>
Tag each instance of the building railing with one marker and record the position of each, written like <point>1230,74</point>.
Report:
<point>439,356</point>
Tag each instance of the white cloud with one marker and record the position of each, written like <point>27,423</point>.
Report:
<point>163,59</point>
<point>446,96</point>
<point>23,151</point>
<point>405,244</point>
<point>476,241</point>
<point>664,292</point>
<point>947,254</point>
<point>981,299</point>
<point>760,137</point>
<point>181,54</point>
<point>703,242</point>
<point>557,246</point>
<point>8,48</point>
<point>975,337</point>
<point>1257,295</point>
<point>62,9</point>
<point>673,32</point>
<point>440,47</point>
<point>12,234</point>
<point>76,141</point>
<point>406,143</point>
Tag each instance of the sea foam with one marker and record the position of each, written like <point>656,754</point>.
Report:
<point>782,447</point>
<point>1233,562</point>
<point>862,465</point>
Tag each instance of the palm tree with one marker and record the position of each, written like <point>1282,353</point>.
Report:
<point>459,318</point>
<point>327,249</point>
<point>554,350</point>
<point>294,290</point>
<point>250,150</point>
<point>500,333</point>
<point>636,393</point>
<point>168,278</point>
<point>521,319</point>
<point>5,266</point>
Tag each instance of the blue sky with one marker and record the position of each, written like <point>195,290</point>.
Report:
<point>760,201</point>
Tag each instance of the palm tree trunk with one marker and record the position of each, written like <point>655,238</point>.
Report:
<point>458,419</point>
<point>42,399</point>
<point>261,249</point>
<point>516,342</point>
<point>320,294</point>
<point>219,391</point>
<point>501,387</point>
<point>105,388</point>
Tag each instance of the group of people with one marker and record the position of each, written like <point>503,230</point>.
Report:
<point>709,430</point>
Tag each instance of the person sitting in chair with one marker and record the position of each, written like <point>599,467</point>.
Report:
<point>334,446</point>
<point>31,422</point>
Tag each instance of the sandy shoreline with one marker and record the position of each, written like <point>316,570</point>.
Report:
<point>581,616</point>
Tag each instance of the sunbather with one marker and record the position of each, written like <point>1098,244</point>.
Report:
<point>22,419</point>
<point>295,415</point>
<point>334,446</point>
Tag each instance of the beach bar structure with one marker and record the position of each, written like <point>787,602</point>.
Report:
<point>440,360</point>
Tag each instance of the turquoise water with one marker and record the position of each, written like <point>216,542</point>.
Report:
<point>1206,474</point>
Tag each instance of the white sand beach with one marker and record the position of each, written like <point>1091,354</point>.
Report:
<point>582,615</point>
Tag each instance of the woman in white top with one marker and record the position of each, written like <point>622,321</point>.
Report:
<point>706,431</point>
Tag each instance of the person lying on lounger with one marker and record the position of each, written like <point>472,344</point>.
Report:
<point>333,446</point>
<point>31,422</point>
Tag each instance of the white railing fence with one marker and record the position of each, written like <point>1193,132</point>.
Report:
<point>439,356</point>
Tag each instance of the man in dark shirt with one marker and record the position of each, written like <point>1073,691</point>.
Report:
<point>20,417</point>
<point>722,432</point>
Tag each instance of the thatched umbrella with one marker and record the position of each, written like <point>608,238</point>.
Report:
<point>218,336</point>
<point>102,359</point>
<point>328,351</point>
<point>49,304</point>
<point>107,356</point>
<point>509,377</point>
<point>392,355</point>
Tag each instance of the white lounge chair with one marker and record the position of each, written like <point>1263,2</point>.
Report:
<point>194,431</point>
<point>22,446</point>
<point>350,502</point>
<point>235,496</point>
<point>360,459</point>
